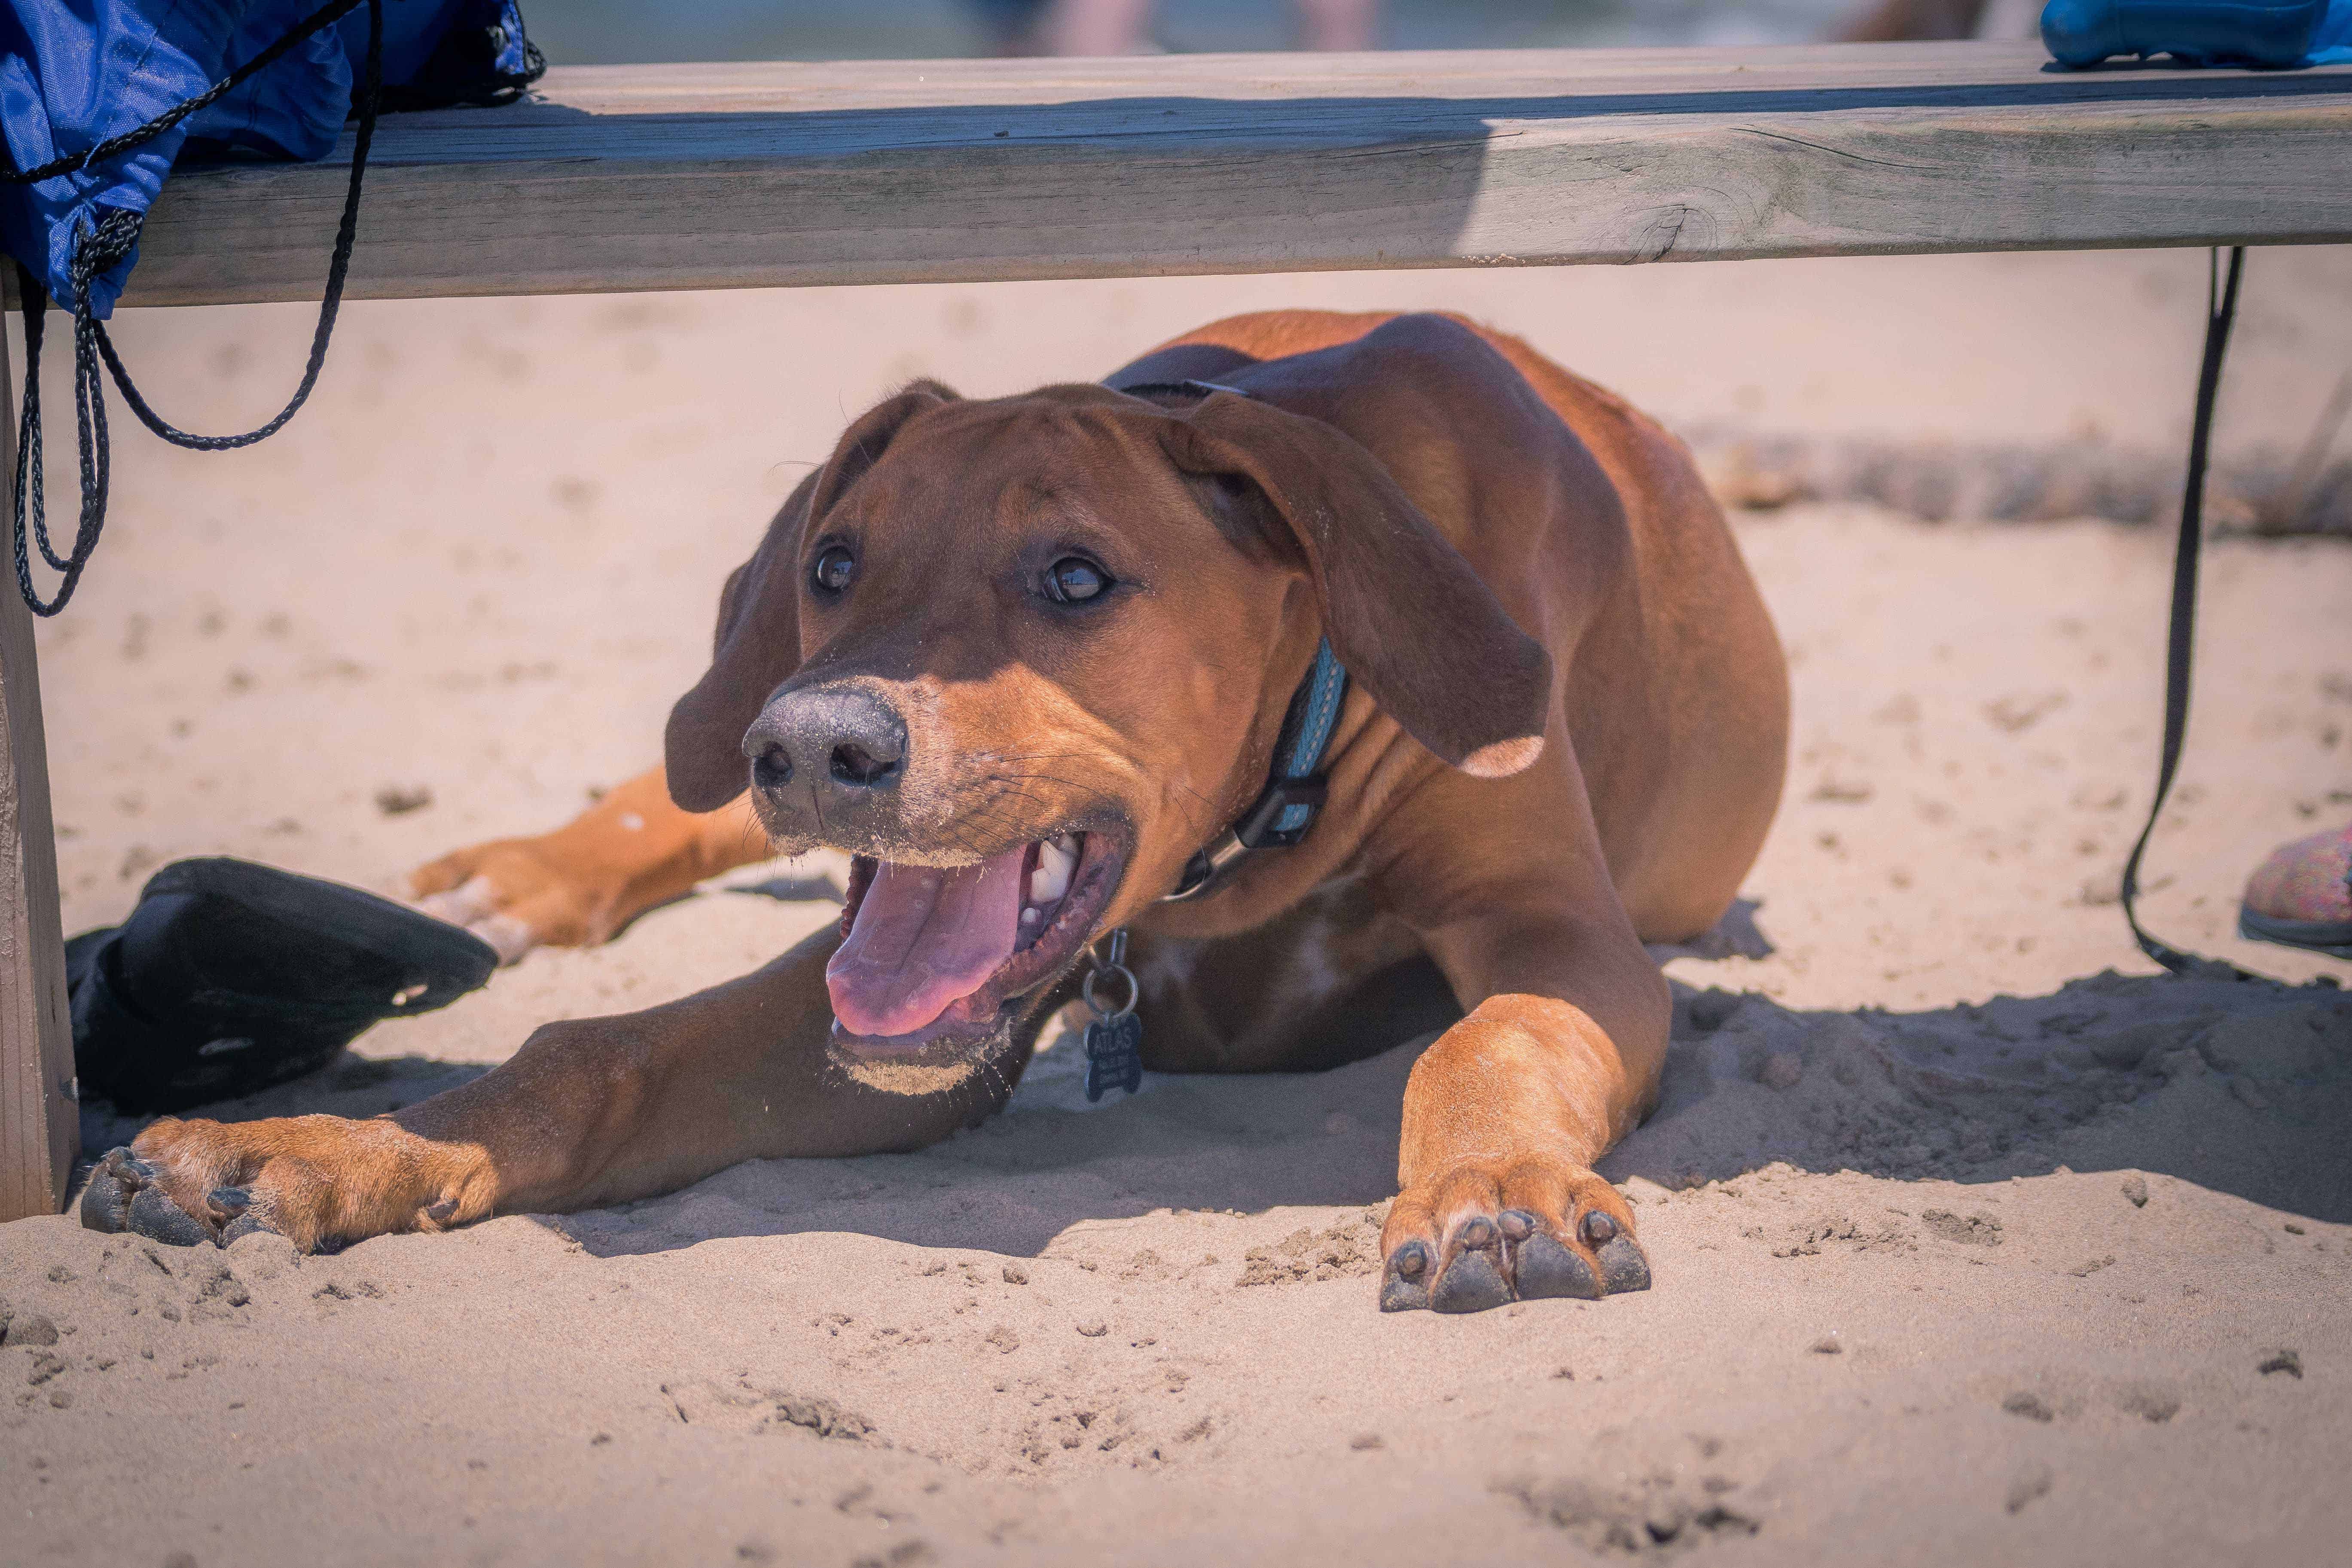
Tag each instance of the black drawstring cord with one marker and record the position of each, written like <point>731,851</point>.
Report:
<point>101,246</point>
<point>2221,307</point>
<point>338,266</point>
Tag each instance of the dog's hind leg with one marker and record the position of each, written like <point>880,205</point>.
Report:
<point>579,884</point>
<point>590,1112</point>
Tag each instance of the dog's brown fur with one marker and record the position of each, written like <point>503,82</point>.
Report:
<point>1528,583</point>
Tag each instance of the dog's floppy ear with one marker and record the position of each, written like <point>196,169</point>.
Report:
<point>1411,619</point>
<point>757,645</point>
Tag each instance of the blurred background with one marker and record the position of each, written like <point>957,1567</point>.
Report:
<point>599,32</point>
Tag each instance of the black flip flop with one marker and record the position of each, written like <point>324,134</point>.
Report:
<point>229,977</point>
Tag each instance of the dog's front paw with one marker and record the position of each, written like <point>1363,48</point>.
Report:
<point>312,1179</point>
<point>515,894</point>
<point>1485,1232</point>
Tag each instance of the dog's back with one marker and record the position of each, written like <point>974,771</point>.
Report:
<point>1683,782</point>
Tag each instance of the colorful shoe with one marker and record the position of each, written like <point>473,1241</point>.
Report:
<point>2302,897</point>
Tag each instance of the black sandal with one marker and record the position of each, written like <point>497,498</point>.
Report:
<point>229,977</point>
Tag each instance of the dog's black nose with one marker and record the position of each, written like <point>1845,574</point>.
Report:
<point>772,769</point>
<point>853,764</point>
<point>846,739</point>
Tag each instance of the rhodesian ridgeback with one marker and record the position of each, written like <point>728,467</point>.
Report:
<point>1038,663</point>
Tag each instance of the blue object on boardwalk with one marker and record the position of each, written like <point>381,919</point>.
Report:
<point>2332,45</point>
<point>97,101</point>
<point>2277,34</point>
<point>75,73</point>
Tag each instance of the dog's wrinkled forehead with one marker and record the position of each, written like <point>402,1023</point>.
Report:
<point>1075,455</point>
<point>1037,553</point>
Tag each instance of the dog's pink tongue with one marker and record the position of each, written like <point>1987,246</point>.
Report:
<point>924,938</point>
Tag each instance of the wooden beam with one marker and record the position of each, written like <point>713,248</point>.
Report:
<point>41,1126</point>
<point>744,175</point>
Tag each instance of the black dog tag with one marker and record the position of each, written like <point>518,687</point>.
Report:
<point>1114,1039</point>
<point>1114,1055</point>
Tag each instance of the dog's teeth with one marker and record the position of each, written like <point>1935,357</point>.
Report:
<point>1051,879</point>
<point>1031,915</point>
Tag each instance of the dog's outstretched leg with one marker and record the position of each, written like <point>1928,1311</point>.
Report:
<point>577,885</point>
<point>590,1111</point>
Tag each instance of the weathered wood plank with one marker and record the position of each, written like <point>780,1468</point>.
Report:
<point>39,1124</point>
<point>708,176</point>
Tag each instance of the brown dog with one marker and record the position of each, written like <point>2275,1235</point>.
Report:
<point>1023,659</point>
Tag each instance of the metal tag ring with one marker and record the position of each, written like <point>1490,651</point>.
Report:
<point>1134,990</point>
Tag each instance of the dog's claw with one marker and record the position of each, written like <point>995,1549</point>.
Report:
<point>1623,1265</point>
<point>442,1212</point>
<point>1517,1225</point>
<point>226,1203</point>
<point>156,1216</point>
<point>1599,1229</point>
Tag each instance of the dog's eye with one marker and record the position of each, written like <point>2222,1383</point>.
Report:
<point>1074,579</point>
<point>835,568</point>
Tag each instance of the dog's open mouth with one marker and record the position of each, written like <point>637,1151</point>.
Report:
<point>936,953</point>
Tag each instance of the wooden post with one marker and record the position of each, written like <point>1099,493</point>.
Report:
<point>41,1126</point>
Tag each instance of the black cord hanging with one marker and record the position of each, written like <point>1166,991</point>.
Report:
<point>2180,648</point>
<point>99,247</point>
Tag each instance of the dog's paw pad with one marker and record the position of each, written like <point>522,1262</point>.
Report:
<point>1547,1270</point>
<point>1404,1284</point>
<point>1470,1283</point>
<point>106,1201</point>
<point>156,1216</point>
<point>1623,1265</point>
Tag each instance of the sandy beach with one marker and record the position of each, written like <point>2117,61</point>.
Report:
<point>1975,1239</point>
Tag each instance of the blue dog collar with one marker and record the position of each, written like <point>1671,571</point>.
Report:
<point>1286,809</point>
<point>1283,812</point>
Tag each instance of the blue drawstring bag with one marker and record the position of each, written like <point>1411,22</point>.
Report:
<point>2331,44</point>
<point>2273,34</point>
<point>99,98</point>
<point>77,73</point>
